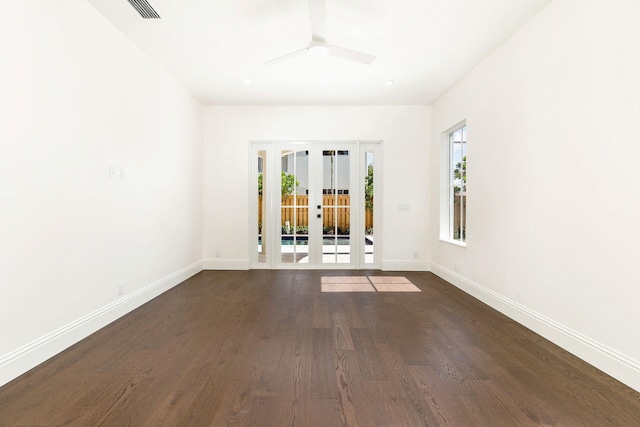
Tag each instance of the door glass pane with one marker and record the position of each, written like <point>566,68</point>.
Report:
<point>329,230</point>
<point>302,249</point>
<point>286,236</point>
<point>262,181</point>
<point>294,206</point>
<point>329,221</point>
<point>329,166</point>
<point>343,219</point>
<point>336,207</point>
<point>328,249</point>
<point>368,208</point>
<point>343,241</point>
<point>302,229</point>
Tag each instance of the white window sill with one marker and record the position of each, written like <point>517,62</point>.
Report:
<point>454,242</point>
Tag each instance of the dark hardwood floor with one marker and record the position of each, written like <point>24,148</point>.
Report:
<point>267,348</point>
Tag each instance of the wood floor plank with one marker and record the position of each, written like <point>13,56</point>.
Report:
<point>208,400</point>
<point>446,403</point>
<point>495,405</point>
<point>589,384</point>
<point>535,406</point>
<point>416,349</point>
<point>369,362</point>
<point>236,348</point>
<point>323,368</point>
<point>295,396</point>
<point>321,318</point>
<point>347,380</point>
<point>352,304</point>
<point>232,410</point>
<point>341,332</point>
<point>263,411</point>
<point>385,410</point>
<point>402,386</point>
<point>324,412</point>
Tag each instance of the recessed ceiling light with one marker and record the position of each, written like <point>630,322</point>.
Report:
<point>389,82</point>
<point>246,82</point>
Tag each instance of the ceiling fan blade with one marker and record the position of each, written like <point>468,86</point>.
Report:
<point>285,57</point>
<point>352,55</point>
<point>317,17</point>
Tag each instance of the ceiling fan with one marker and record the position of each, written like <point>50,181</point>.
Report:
<point>318,45</point>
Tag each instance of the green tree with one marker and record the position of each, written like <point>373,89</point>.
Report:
<point>289,185</point>
<point>460,174</point>
<point>368,188</point>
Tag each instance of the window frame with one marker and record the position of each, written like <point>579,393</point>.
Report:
<point>449,183</point>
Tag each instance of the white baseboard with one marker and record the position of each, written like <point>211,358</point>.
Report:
<point>614,363</point>
<point>226,264</point>
<point>405,265</point>
<point>21,360</point>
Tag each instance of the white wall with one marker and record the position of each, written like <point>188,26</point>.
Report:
<point>553,121</point>
<point>404,131</point>
<point>77,98</point>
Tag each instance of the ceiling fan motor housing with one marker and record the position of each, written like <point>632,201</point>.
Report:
<point>316,48</point>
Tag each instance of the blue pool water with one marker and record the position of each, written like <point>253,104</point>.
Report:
<point>304,240</point>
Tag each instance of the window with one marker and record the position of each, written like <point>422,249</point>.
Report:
<point>457,199</point>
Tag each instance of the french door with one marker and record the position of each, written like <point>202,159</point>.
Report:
<point>313,205</point>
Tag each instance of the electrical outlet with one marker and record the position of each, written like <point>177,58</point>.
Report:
<point>217,254</point>
<point>415,255</point>
<point>120,289</point>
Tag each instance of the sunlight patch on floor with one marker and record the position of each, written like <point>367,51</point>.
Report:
<point>367,284</point>
<point>396,287</point>
<point>344,279</point>
<point>347,287</point>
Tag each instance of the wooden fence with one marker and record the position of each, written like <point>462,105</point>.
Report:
<point>457,227</point>
<point>330,217</point>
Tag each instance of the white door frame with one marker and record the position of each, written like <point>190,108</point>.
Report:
<point>271,188</point>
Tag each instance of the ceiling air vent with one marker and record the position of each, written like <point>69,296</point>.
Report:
<point>144,9</point>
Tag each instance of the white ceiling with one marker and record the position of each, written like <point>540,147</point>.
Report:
<point>425,46</point>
